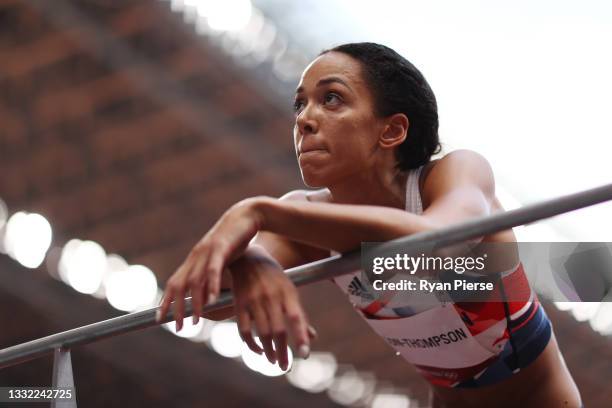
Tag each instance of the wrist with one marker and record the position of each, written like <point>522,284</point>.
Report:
<point>260,208</point>
<point>252,258</point>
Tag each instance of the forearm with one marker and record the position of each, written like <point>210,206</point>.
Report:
<point>340,227</point>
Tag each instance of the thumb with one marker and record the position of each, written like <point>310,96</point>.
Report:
<point>312,333</point>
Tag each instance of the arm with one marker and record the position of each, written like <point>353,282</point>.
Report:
<point>459,187</point>
<point>263,296</point>
<point>285,252</point>
<point>288,252</point>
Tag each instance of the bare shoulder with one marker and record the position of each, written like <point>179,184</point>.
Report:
<point>321,196</point>
<point>460,167</point>
<point>464,159</point>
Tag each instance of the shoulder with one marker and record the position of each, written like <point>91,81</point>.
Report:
<point>321,195</point>
<point>460,168</point>
<point>465,160</point>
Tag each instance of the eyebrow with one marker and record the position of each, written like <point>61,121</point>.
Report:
<point>326,81</point>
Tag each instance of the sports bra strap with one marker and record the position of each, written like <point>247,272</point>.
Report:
<point>413,193</point>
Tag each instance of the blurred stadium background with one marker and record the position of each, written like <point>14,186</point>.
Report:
<point>127,127</point>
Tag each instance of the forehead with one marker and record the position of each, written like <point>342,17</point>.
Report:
<point>333,64</point>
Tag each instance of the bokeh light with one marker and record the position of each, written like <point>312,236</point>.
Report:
<point>390,400</point>
<point>132,288</point>
<point>82,265</point>
<point>225,340</point>
<point>27,238</point>
<point>314,374</point>
<point>350,387</point>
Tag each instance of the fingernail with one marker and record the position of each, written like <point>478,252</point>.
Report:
<point>194,319</point>
<point>312,331</point>
<point>178,328</point>
<point>304,351</point>
<point>158,315</point>
<point>212,298</point>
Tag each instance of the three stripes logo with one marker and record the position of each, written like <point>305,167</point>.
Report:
<point>356,288</point>
<point>466,319</point>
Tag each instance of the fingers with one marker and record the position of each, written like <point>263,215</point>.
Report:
<point>298,326</point>
<point>268,346</point>
<point>214,268</point>
<point>165,305</point>
<point>312,333</point>
<point>197,301</point>
<point>179,310</point>
<point>263,330</point>
<point>197,292</point>
<point>201,274</point>
<point>279,334</point>
<point>276,318</point>
<point>244,328</point>
<point>280,345</point>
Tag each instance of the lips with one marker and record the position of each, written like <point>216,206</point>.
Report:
<point>310,149</point>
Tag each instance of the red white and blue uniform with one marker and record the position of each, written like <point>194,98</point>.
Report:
<point>456,344</point>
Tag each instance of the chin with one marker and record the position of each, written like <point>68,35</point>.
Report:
<point>314,179</point>
<point>312,182</point>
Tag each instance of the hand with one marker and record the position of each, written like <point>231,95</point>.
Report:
<point>201,271</point>
<point>265,298</point>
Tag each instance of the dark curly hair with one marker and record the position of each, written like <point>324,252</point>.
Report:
<point>399,87</point>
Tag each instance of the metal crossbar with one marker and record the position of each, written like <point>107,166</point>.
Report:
<point>313,272</point>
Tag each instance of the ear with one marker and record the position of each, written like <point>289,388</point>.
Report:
<point>395,131</point>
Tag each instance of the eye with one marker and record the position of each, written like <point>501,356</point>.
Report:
<point>332,98</point>
<point>298,105</point>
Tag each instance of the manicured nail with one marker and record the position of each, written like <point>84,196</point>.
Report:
<point>212,298</point>
<point>158,315</point>
<point>312,331</point>
<point>304,351</point>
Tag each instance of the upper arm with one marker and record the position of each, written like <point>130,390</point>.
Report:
<point>459,186</point>
<point>287,252</point>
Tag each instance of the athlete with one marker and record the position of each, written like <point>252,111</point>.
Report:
<point>366,129</point>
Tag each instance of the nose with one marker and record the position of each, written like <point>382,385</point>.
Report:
<point>305,121</point>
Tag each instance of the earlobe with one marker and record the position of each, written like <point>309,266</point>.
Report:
<point>395,131</point>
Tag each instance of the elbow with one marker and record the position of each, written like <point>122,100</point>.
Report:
<point>415,225</point>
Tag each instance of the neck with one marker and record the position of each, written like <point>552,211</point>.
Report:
<point>383,188</point>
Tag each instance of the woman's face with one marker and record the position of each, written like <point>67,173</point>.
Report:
<point>336,130</point>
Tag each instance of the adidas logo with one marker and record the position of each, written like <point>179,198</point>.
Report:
<point>466,319</point>
<point>356,288</point>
